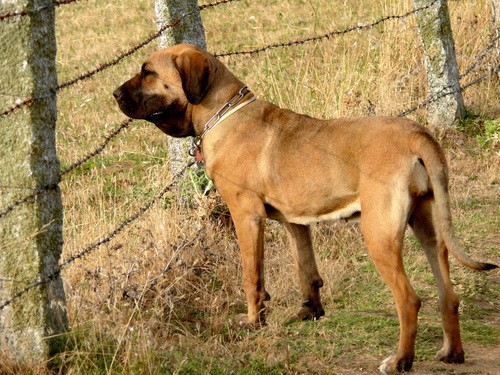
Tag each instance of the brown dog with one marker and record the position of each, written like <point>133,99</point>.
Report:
<point>268,162</point>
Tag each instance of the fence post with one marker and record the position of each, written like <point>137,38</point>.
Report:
<point>189,30</point>
<point>31,234</point>
<point>440,62</point>
<point>495,10</point>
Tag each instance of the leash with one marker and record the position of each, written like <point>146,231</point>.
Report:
<point>230,107</point>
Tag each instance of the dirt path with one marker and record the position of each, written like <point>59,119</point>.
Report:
<point>478,361</point>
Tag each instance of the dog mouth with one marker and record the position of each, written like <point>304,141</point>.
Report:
<point>158,116</point>
<point>166,113</point>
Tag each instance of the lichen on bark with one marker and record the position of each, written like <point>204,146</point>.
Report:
<point>31,234</point>
<point>440,63</point>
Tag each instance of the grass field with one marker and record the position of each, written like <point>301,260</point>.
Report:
<point>160,297</point>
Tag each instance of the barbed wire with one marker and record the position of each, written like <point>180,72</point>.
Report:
<point>177,248</point>
<point>107,238</point>
<point>134,49</point>
<point>25,12</point>
<point>115,61</point>
<point>481,56</point>
<point>212,5</point>
<point>445,91</point>
<point>327,35</point>
<point>28,101</point>
<point>111,235</point>
<point>30,197</point>
<point>125,124</point>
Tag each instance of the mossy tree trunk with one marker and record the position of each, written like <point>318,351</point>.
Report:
<point>440,63</point>
<point>31,234</point>
<point>189,30</point>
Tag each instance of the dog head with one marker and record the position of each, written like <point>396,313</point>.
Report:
<point>170,83</point>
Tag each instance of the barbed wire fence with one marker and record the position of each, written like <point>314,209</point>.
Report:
<point>23,102</point>
<point>27,12</point>
<point>115,61</point>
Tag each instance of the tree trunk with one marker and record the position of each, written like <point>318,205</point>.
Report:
<point>189,30</point>
<point>31,234</point>
<point>440,63</point>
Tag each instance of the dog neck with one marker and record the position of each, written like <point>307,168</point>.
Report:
<point>231,106</point>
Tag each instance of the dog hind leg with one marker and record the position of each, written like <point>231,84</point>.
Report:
<point>307,270</point>
<point>383,225</point>
<point>421,222</point>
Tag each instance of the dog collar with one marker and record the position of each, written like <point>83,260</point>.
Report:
<point>231,106</point>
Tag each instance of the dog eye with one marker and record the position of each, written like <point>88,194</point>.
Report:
<point>145,72</point>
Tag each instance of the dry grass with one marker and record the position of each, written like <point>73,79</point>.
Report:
<point>159,297</point>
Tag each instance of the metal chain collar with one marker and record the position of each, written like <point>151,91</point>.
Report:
<point>217,117</point>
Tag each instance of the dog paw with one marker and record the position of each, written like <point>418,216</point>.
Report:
<point>387,366</point>
<point>391,365</point>
<point>310,311</point>
<point>306,313</point>
<point>242,321</point>
<point>447,356</point>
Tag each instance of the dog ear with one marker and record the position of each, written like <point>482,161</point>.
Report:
<point>195,68</point>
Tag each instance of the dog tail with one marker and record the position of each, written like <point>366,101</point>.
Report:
<point>429,151</point>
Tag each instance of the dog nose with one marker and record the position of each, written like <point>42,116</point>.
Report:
<point>117,93</point>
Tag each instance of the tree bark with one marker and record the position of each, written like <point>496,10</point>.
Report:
<point>440,63</point>
<point>31,234</point>
<point>189,30</point>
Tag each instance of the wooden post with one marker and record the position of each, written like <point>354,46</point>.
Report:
<point>31,234</point>
<point>495,10</point>
<point>189,30</point>
<point>440,63</point>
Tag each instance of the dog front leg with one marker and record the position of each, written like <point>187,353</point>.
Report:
<point>250,232</point>
<point>305,263</point>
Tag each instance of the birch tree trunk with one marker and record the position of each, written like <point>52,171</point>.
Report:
<point>440,63</point>
<point>189,30</point>
<point>31,234</point>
